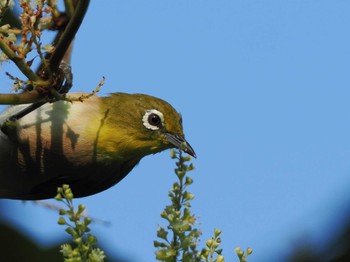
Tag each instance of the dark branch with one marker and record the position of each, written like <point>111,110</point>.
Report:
<point>69,34</point>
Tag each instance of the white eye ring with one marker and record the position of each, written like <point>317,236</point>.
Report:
<point>153,119</point>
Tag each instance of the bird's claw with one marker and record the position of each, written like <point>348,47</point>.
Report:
<point>9,127</point>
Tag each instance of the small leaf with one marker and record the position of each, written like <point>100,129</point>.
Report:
<point>159,244</point>
<point>205,252</point>
<point>219,251</point>
<point>162,233</point>
<point>71,232</point>
<point>189,181</point>
<point>165,254</point>
<point>91,240</point>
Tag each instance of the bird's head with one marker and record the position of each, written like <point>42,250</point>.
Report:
<point>141,124</point>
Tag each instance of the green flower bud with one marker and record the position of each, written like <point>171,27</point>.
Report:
<point>180,173</point>
<point>76,252</point>
<point>71,231</point>
<point>81,209</point>
<point>215,244</point>
<point>172,153</point>
<point>69,196</point>
<point>217,232</point>
<point>5,27</point>
<point>91,239</point>
<point>61,221</point>
<point>164,215</point>
<point>186,227</point>
<point>239,252</point>
<point>188,196</point>
<point>209,242</point>
<point>220,258</point>
<point>66,250</point>
<point>190,167</point>
<point>78,240</point>
<point>87,221</point>
<point>62,212</point>
<point>185,158</point>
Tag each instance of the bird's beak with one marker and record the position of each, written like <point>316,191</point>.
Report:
<point>178,141</point>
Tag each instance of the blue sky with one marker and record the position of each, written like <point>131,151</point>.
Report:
<point>263,87</point>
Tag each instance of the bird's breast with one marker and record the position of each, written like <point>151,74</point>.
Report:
<point>55,144</point>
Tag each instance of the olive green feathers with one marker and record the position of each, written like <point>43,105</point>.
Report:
<point>90,145</point>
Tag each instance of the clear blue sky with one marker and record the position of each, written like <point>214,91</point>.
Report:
<point>263,87</point>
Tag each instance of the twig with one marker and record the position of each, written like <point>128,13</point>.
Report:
<point>83,97</point>
<point>69,33</point>
<point>54,207</point>
<point>21,64</point>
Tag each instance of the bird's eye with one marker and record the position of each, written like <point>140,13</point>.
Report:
<point>153,119</point>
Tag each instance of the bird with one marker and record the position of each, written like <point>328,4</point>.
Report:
<point>90,145</point>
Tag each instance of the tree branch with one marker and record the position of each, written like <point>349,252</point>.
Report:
<point>69,33</point>
<point>22,98</point>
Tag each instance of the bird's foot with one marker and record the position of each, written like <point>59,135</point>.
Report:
<point>9,127</point>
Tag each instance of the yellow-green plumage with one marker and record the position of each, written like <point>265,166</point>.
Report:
<point>91,145</point>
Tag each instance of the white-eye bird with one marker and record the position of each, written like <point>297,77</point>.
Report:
<point>90,145</point>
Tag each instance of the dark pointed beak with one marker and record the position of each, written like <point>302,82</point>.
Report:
<point>177,141</point>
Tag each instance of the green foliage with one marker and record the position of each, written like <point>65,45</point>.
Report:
<point>243,256</point>
<point>179,240</point>
<point>78,228</point>
<point>211,253</point>
<point>183,240</point>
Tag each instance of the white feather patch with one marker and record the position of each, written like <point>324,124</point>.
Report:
<point>147,114</point>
